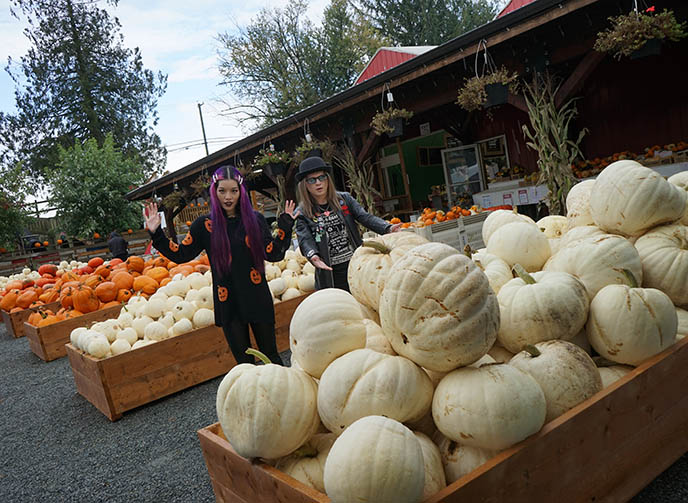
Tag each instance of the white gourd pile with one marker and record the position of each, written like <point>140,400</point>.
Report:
<point>183,305</point>
<point>475,357</point>
<point>291,277</point>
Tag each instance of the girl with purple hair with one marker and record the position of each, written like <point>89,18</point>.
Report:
<point>238,241</point>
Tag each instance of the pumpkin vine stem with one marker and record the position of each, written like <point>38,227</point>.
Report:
<point>306,451</point>
<point>259,355</point>
<point>632,281</point>
<point>377,246</point>
<point>468,251</point>
<point>532,350</point>
<point>523,274</point>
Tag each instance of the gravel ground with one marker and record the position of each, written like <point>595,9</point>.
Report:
<point>57,447</point>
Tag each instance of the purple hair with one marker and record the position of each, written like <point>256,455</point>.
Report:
<point>219,240</point>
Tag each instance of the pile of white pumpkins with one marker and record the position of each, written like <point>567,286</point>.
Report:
<point>183,305</point>
<point>291,277</point>
<point>439,361</point>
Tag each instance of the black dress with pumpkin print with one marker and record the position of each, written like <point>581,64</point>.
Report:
<point>243,294</point>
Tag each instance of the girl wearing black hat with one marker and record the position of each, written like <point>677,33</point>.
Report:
<point>238,241</point>
<point>326,225</point>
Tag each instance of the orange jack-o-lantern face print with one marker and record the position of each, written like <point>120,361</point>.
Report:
<point>246,240</point>
<point>256,278</point>
<point>173,246</point>
<point>222,293</point>
<point>208,225</point>
<point>281,234</point>
<point>187,239</point>
<point>268,248</point>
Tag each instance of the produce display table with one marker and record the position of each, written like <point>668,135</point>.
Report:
<point>123,382</point>
<point>15,321</point>
<point>48,343</point>
<point>606,448</point>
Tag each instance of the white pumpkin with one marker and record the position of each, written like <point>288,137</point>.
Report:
<point>205,298</point>
<point>308,268</point>
<point>120,346</point>
<point>434,470</point>
<point>271,271</point>
<point>578,233</point>
<point>307,463</point>
<point>183,309</point>
<point>140,343</point>
<point>167,319</point>
<point>493,407</point>
<point>613,373</point>
<point>578,204</point>
<point>267,411</point>
<point>182,326</point>
<point>424,425</point>
<point>392,471</point>
<point>435,376</point>
<point>664,254</point>
<point>155,308</point>
<point>288,273</point>
<point>540,307</point>
<point>203,318</point>
<point>581,340</point>
<point>376,340</point>
<point>125,317</point>
<point>365,383</point>
<point>520,243</point>
<point>438,309</point>
<point>196,281</point>
<point>192,295</point>
<point>178,287</point>
<point>140,324</point>
<point>306,283</point>
<point>500,354</point>
<point>629,199</point>
<point>497,271</point>
<point>172,301</point>
<point>369,313</point>
<point>566,374</point>
<point>293,265</point>
<point>459,460</point>
<point>553,226</point>
<point>498,218</point>
<point>682,329</point>
<point>680,180</point>
<point>291,293</point>
<point>628,325</point>
<point>291,282</point>
<point>159,294</point>
<point>98,346</point>
<point>277,286</point>
<point>597,261</point>
<point>75,334</point>
<point>128,334</point>
<point>372,263</point>
<point>327,324</point>
<point>155,331</point>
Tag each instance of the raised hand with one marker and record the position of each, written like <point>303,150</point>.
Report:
<point>395,228</point>
<point>319,264</point>
<point>151,216</point>
<point>291,209</point>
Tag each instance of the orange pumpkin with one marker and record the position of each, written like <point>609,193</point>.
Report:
<point>465,213</point>
<point>36,303</point>
<point>160,261</point>
<point>145,284</point>
<point>59,241</point>
<point>47,269</point>
<point>48,319</point>
<point>188,239</point>
<point>50,295</point>
<point>26,299</point>
<point>124,295</point>
<point>45,281</point>
<point>71,313</point>
<point>202,268</point>
<point>171,264</point>
<point>188,223</point>
<point>70,276</point>
<point>256,277</point>
<point>66,296</point>
<point>222,293</point>
<point>85,299</point>
<point>158,273</point>
<point>103,271</point>
<point>165,281</point>
<point>37,245</point>
<point>15,284</point>
<point>122,280</point>
<point>112,303</point>
<point>93,280</point>
<point>184,269</point>
<point>96,235</point>
<point>129,231</point>
<point>46,243</point>
<point>203,259</point>
<point>115,261</point>
<point>106,291</point>
<point>135,263</point>
<point>34,318</point>
<point>395,220</point>
<point>16,309</point>
<point>95,262</point>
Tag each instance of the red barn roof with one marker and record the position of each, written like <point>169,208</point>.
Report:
<point>513,5</point>
<point>389,57</point>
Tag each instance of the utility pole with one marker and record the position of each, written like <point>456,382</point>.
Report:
<point>205,141</point>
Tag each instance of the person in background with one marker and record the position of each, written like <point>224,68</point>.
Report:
<point>326,226</point>
<point>118,246</point>
<point>238,241</point>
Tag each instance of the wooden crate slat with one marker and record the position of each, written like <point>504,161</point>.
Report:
<point>87,378</point>
<point>15,321</point>
<point>48,343</point>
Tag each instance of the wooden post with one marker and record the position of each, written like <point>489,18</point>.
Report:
<point>403,174</point>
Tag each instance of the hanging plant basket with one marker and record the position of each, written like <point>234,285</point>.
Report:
<point>652,47</point>
<point>274,162</point>
<point>487,90</point>
<point>397,127</point>
<point>497,94</point>
<point>277,168</point>
<point>390,121</point>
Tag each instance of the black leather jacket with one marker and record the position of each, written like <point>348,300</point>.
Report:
<point>352,212</point>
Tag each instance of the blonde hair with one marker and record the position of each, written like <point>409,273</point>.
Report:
<point>306,200</point>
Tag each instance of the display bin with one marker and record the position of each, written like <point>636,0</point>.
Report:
<point>448,232</point>
<point>472,234</point>
<point>48,343</point>
<point>15,321</point>
<point>605,449</point>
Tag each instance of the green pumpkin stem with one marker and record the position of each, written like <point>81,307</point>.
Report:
<point>377,246</point>
<point>306,451</point>
<point>259,355</point>
<point>632,281</point>
<point>523,274</point>
<point>532,350</point>
<point>468,251</point>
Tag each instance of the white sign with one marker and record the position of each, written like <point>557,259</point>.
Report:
<point>425,129</point>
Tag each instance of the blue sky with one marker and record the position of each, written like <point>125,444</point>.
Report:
<point>177,37</point>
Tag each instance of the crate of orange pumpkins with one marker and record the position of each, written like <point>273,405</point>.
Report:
<point>95,293</point>
<point>23,297</point>
<point>440,226</point>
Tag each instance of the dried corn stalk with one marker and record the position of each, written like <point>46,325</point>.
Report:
<point>360,179</point>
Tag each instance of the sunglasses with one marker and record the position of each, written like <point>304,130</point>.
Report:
<point>313,179</point>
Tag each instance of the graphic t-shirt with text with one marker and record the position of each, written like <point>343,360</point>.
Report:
<point>338,242</point>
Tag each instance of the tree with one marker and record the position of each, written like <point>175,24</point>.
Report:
<point>77,81</point>
<point>282,63</point>
<point>426,22</point>
<point>12,214</point>
<point>90,185</point>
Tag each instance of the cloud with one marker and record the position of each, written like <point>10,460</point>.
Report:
<point>193,68</point>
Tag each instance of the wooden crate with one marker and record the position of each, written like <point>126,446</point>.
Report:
<point>15,321</point>
<point>48,343</point>
<point>283,313</point>
<point>120,383</point>
<point>605,449</point>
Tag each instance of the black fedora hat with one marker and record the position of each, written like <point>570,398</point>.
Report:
<point>310,165</point>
